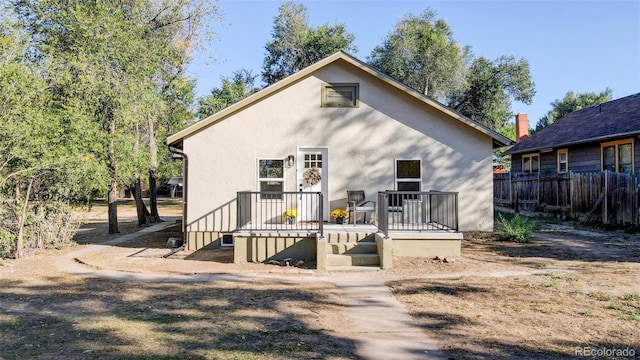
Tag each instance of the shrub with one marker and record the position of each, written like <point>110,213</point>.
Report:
<point>7,244</point>
<point>518,228</point>
<point>52,228</point>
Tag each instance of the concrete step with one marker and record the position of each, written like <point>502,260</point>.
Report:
<point>363,247</point>
<point>349,237</point>
<point>364,268</point>
<point>352,260</point>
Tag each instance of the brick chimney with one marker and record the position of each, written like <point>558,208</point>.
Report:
<point>522,127</point>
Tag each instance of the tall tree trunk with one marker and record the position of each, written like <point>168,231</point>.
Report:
<point>136,189</point>
<point>41,216</point>
<point>153,166</point>
<point>19,253</point>
<point>112,198</point>
<point>141,208</point>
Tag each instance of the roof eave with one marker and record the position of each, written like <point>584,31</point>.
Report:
<point>577,142</point>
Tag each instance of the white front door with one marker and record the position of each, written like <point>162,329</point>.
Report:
<point>312,177</point>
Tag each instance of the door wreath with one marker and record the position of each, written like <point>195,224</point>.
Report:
<point>312,176</point>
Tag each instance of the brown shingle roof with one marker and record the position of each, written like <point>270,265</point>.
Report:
<point>615,118</point>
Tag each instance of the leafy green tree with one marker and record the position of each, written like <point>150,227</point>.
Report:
<point>422,53</point>
<point>490,88</point>
<point>110,57</point>
<point>295,44</point>
<point>23,127</point>
<point>177,28</point>
<point>44,158</point>
<point>572,102</point>
<point>240,86</point>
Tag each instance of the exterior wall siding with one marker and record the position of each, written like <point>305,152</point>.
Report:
<point>362,142</point>
<point>516,163</point>
<point>548,162</point>
<point>584,157</point>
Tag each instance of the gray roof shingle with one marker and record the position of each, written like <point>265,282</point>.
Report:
<point>615,118</point>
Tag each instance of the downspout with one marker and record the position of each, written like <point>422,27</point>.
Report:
<point>185,186</point>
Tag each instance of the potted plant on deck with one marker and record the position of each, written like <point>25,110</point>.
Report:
<point>290,216</point>
<point>338,215</point>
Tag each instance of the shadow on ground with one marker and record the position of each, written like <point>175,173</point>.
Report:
<point>85,318</point>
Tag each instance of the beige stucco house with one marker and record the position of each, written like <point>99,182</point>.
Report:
<point>351,127</point>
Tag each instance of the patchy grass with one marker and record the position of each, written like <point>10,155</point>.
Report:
<point>85,318</point>
<point>532,317</point>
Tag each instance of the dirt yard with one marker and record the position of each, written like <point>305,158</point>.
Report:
<point>569,293</point>
<point>46,313</point>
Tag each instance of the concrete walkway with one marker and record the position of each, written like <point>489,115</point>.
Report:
<point>383,329</point>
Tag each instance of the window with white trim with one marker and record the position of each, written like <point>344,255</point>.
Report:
<point>531,163</point>
<point>340,95</point>
<point>270,178</point>
<point>408,175</point>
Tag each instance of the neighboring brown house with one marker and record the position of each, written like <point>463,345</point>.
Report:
<point>600,137</point>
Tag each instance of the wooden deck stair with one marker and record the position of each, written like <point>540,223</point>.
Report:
<point>352,252</point>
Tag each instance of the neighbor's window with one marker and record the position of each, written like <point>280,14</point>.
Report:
<point>563,161</point>
<point>270,178</point>
<point>531,163</point>
<point>340,95</point>
<point>408,175</point>
<point>617,156</point>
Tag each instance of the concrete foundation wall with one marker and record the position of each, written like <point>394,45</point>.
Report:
<point>436,244</point>
<point>198,239</point>
<point>385,251</point>
<point>261,248</point>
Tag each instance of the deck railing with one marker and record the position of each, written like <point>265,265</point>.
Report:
<point>417,211</point>
<point>279,211</point>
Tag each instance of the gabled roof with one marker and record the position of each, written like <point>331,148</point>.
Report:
<point>176,139</point>
<point>616,118</point>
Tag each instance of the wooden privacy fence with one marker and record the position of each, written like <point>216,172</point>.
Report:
<point>606,196</point>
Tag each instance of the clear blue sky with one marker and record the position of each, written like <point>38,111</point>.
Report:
<point>580,46</point>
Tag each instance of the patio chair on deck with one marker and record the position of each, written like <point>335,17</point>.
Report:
<point>356,203</point>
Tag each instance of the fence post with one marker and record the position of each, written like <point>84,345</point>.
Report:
<point>605,217</point>
<point>571,193</point>
<point>515,189</point>
<point>321,214</point>
<point>636,218</point>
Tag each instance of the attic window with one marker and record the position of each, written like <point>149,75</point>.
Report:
<point>340,95</point>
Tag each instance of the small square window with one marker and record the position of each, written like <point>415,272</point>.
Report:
<point>340,95</point>
<point>226,240</point>
<point>408,169</point>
